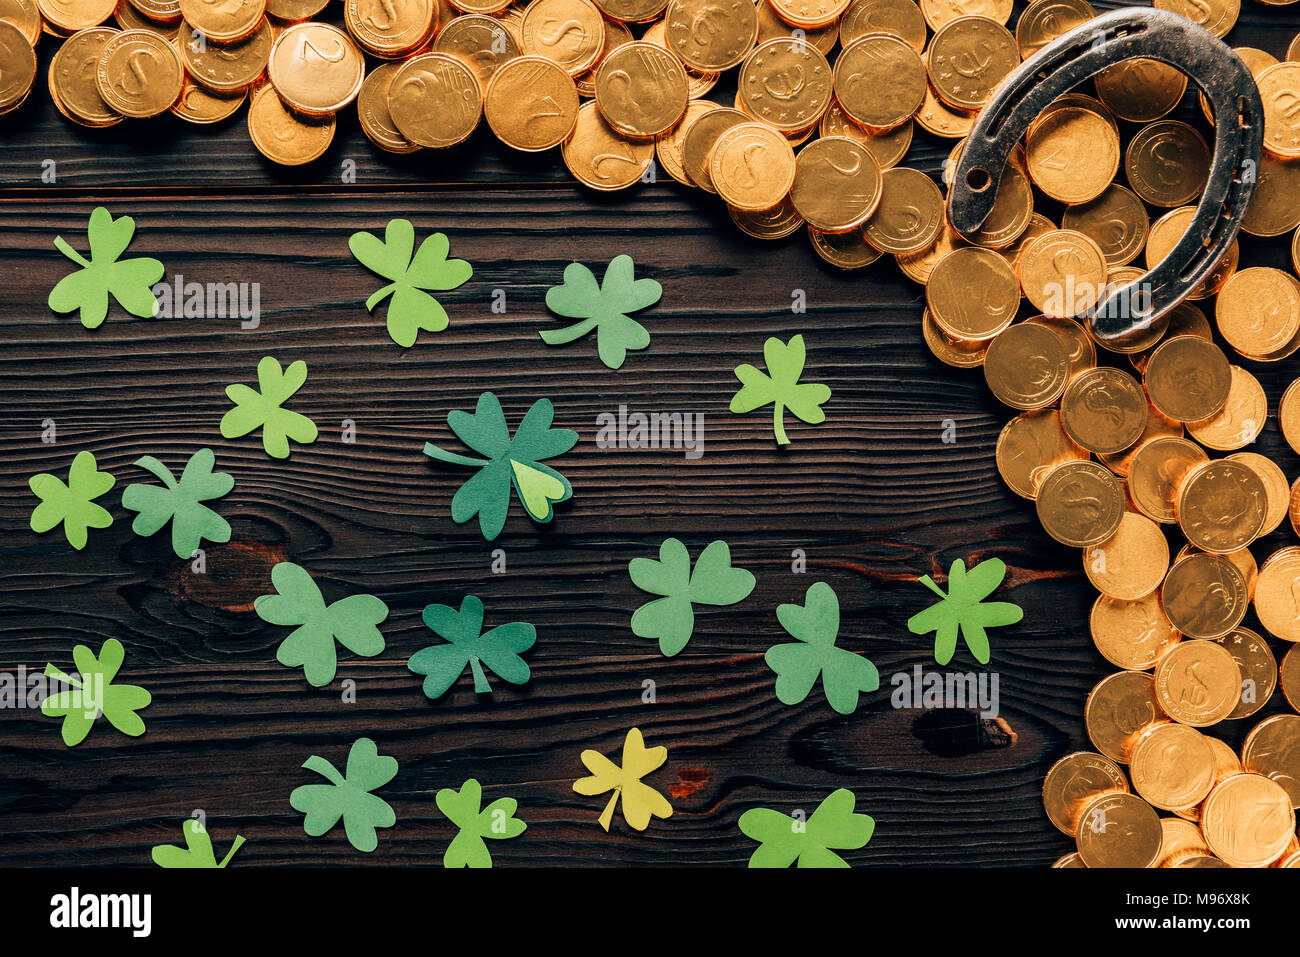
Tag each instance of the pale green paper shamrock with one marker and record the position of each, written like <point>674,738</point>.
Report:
<point>963,608</point>
<point>197,853</point>
<point>784,839</point>
<point>348,796</point>
<point>93,693</point>
<point>262,409</point>
<point>816,625</point>
<point>129,281</point>
<point>780,387</point>
<point>181,502</point>
<point>72,504</point>
<point>465,809</point>
<point>603,307</point>
<point>671,619</point>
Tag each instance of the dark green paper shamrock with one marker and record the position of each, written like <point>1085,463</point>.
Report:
<point>816,623</point>
<point>465,809</point>
<point>93,693</point>
<point>780,387</point>
<point>197,851</point>
<point>603,307</point>
<point>963,607</point>
<point>129,281</point>
<point>671,619</point>
<point>507,461</point>
<point>468,644</point>
<point>181,502</point>
<point>348,795</point>
<point>784,839</point>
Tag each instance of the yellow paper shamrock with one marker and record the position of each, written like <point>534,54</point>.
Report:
<point>640,801</point>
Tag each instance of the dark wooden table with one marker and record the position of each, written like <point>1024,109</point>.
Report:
<point>874,497</point>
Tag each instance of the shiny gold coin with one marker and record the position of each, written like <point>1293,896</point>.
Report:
<point>1165,234</point>
<point>1080,504</point>
<point>846,250</point>
<point>1157,470</point>
<point>1293,507</point>
<point>1079,350</point>
<point>373,113</point>
<point>1030,446</point>
<point>918,267</point>
<point>809,13</point>
<point>775,223</point>
<point>1198,684</point>
<point>26,16</point>
<point>392,28</point>
<point>1180,841</point>
<point>1221,506</point>
<point>1276,489</point>
<point>1070,860</point>
<point>1240,420</point>
<point>772,27</point>
<point>224,21</point>
<point>632,11</point>
<point>837,184</point>
<point>1116,221</point>
<point>1121,463</point>
<point>1140,90</point>
<point>1288,415</point>
<point>570,32</point>
<point>879,81</point>
<point>1185,319</point>
<point>483,42</point>
<point>711,35</point>
<point>70,16</point>
<point>129,18</point>
<point>972,293</point>
<point>228,68</point>
<point>1073,155</point>
<point>1118,710</point>
<point>1275,207</point>
<point>939,12</point>
<point>1188,378</point>
<point>512,18</point>
<point>671,150</point>
<point>1167,163</point>
<point>281,135</point>
<point>72,77</point>
<point>1130,564</point>
<point>1248,820</point>
<point>1045,20</point>
<point>1258,312</point>
<point>1226,764</point>
<point>936,118</point>
<point>1133,635</point>
<point>1278,88</point>
<point>531,103</point>
<point>1076,100</point>
<point>1258,670</point>
<point>701,137</point>
<point>316,68</point>
<point>1172,764</point>
<point>158,11</point>
<point>1104,410</point>
<point>1013,211</point>
<point>1277,595</point>
<point>1295,251</point>
<point>1204,596</point>
<point>1217,16</point>
<point>1039,225</point>
<point>1118,830</point>
<point>699,82</point>
<point>483,7</point>
<point>752,166</point>
<point>139,74</point>
<point>786,83</point>
<point>1289,676</point>
<point>1074,781</point>
<point>967,58</point>
<point>600,158</point>
<point>1027,366</point>
<point>294,11</point>
<point>202,107</point>
<point>954,352</point>
<point>434,100</point>
<point>900,18</point>
<point>909,216</point>
<point>1273,750</point>
<point>1242,558</point>
<point>887,149</point>
<point>1063,273</point>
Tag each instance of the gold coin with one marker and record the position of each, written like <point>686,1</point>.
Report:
<point>435,100</point>
<point>1116,221</point>
<point>1288,415</point>
<point>752,166</point>
<point>879,81</point>
<point>1258,670</point>
<point>1295,251</point>
<point>1289,676</point>
<point>846,250</point>
<point>711,35</point>
<point>775,223</point>
<point>600,158</point>
<point>1104,410</point>
<point>1198,683</point>
<point>1062,273</point>
<point>632,11</point>
<point>1277,595</point>
<point>887,149</point>
<point>1278,87</point>
<point>1074,781</point>
<point>1184,320</point>
<point>69,16</point>
<point>1157,471</point>
<point>1173,764</point>
<point>936,118</point>
<point>1073,154</point>
<point>1140,90</point>
<point>909,216</point>
<point>939,12</point>
<point>1130,564</point>
<point>294,11</point>
<point>1013,211</point>
<point>484,7</point>
<point>1242,558</point>
<point>900,18</point>
<point>1076,101</point>
<point>72,77</point>
<point>1180,841</point>
<point>373,113</point>
<point>483,42</point>
<point>157,11</point>
<point>701,137</point>
<point>954,352</point>
<point>837,184</point>
<point>1030,446</point>
<point>1078,347</point>
<point>972,293</point>
<point>1121,463</point>
<point>1273,750</point>
<point>1188,378</point>
<point>1293,507</point>
<point>699,82</point>
<point>671,150</point>
<point>1167,163</point>
<point>967,58</point>
<point>1275,207</point>
<point>223,21</point>
<point>1165,234</point>
<point>512,18</point>
<point>1276,488</point>
<point>570,32</point>
<point>786,83</point>
<point>1045,20</point>
<point>771,27</point>
<point>1248,820</point>
<point>129,18</point>
<point>392,28</point>
<point>1118,710</point>
<point>1226,764</point>
<point>316,68</point>
<point>227,68</point>
<point>1204,596</point>
<point>1118,830</point>
<point>1258,312</point>
<point>1217,16</point>
<point>1027,366</point>
<point>809,13</point>
<point>284,137</point>
<point>1080,504</point>
<point>1039,225</point>
<point>1240,420</point>
<point>531,103</point>
<point>1221,506</point>
<point>139,74</point>
<point>1133,635</point>
<point>200,106</point>
<point>26,16</point>
<point>918,267</point>
<point>1070,860</point>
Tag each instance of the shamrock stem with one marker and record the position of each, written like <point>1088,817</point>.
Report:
<point>71,253</point>
<point>607,817</point>
<point>480,679</point>
<point>778,423</point>
<point>324,769</point>
<point>158,470</point>
<point>558,337</point>
<point>239,842</point>
<point>377,296</point>
<point>451,458</point>
<point>57,675</point>
<point>928,582</point>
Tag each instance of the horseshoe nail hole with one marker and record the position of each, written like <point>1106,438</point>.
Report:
<point>978,179</point>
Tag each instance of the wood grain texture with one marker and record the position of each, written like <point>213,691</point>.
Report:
<point>873,496</point>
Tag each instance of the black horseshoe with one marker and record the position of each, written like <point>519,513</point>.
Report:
<point>1082,53</point>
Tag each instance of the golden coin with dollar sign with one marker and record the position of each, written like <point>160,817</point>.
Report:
<point>641,90</point>
<point>139,74</point>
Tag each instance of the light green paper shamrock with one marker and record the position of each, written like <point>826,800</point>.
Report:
<point>72,504</point>
<point>671,619</point>
<point>816,623</point>
<point>129,281</point>
<point>348,796</point>
<point>262,408</point>
<point>784,839</point>
<point>352,621</point>
<point>963,607</point>
<point>197,852</point>
<point>180,502</point>
<point>780,387</point>
<point>411,308</point>
<point>468,645</point>
<point>603,307</point>
<point>94,693</point>
<point>497,821</point>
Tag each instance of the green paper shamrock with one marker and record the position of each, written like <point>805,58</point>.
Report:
<point>497,821</point>
<point>95,694</point>
<point>129,281</point>
<point>411,309</point>
<point>72,504</point>
<point>780,387</point>
<point>348,795</point>
<point>816,623</point>
<point>262,409</point>
<point>603,307</point>
<point>671,619</point>
<point>499,648</point>
<point>508,462</point>
<point>784,839</point>
<point>964,607</point>
<point>351,621</point>
<point>181,502</point>
<point>197,851</point>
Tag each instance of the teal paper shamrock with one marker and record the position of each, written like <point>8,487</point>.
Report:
<point>129,281</point>
<point>784,839</point>
<point>499,648</point>
<point>797,665</point>
<point>780,387</point>
<point>181,502</point>
<point>497,821</point>
<point>603,307</point>
<point>963,607</point>
<point>671,619</point>
<point>348,795</point>
<point>411,308</point>
<point>507,462</point>
<point>351,621</point>
<point>72,504</point>
<point>93,693</point>
<point>197,851</point>
<point>262,409</point>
